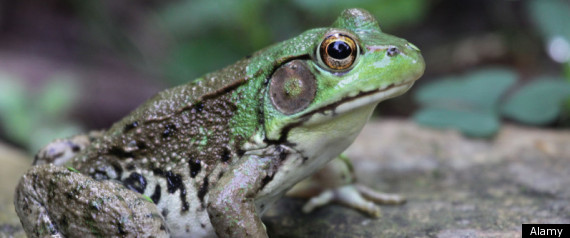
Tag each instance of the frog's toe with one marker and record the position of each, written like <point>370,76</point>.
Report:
<point>322,199</point>
<point>378,197</point>
<point>347,195</point>
<point>350,196</point>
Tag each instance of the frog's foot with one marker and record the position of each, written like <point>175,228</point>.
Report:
<point>59,151</point>
<point>57,202</point>
<point>336,183</point>
<point>354,196</point>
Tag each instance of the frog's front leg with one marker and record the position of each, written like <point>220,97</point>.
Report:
<point>58,202</point>
<point>231,204</point>
<point>336,182</point>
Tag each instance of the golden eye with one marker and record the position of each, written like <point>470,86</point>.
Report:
<point>338,51</point>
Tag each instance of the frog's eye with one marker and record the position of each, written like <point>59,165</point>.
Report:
<point>338,51</point>
<point>292,87</point>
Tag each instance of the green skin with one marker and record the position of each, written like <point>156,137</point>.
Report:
<point>209,157</point>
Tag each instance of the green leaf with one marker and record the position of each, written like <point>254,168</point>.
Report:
<point>477,91</point>
<point>470,123</point>
<point>147,198</point>
<point>72,169</point>
<point>550,16</point>
<point>468,103</point>
<point>57,97</point>
<point>539,102</point>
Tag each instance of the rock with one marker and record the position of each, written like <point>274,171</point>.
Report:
<point>455,186</point>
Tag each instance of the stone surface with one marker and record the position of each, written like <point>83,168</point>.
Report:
<point>13,164</point>
<point>455,186</point>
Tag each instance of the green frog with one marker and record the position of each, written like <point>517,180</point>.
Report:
<point>208,158</point>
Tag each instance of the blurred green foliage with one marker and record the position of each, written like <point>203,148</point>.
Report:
<point>551,19</point>
<point>177,41</point>
<point>472,103</point>
<point>468,103</point>
<point>549,15</point>
<point>195,37</point>
<point>539,102</point>
<point>35,118</point>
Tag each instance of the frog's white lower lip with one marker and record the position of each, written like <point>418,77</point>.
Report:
<point>374,96</point>
<point>364,98</point>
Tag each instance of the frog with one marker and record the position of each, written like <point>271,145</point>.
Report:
<point>209,157</point>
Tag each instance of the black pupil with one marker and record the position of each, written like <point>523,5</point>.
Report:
<point>339,50</point>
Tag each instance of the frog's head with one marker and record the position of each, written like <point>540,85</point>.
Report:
<point>331,90</point>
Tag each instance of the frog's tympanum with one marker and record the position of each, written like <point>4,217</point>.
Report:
<point>208,158</point>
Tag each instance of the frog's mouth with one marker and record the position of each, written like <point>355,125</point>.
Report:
<point>362,98</point>
<point>346,104</point>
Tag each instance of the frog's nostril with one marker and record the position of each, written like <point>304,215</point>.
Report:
<point>392,51</point>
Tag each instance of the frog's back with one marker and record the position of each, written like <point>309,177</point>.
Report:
<point>183,97</point>
<point>186,123</point>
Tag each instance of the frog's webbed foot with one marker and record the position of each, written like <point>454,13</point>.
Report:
<point>355,196</point>
<point>57,202</point>
<point>336,183</point>
<point>59,151</point>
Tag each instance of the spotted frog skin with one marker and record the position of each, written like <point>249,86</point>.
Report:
<point>207,158</point>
